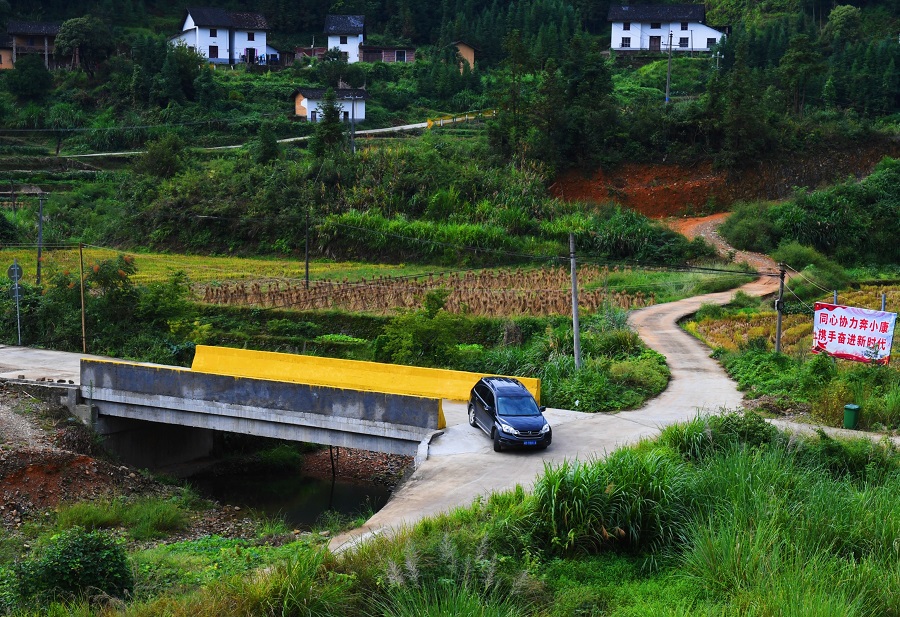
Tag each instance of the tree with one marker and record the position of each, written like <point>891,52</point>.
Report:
<point>265,147</point>
<point>800,62</point>
<point>86,38</point>
<point>329,133</point>
<point>63,116</point>
<point>205,89</point>
<point>29,80</point>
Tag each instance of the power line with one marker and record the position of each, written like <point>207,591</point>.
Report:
<point>811,282</point>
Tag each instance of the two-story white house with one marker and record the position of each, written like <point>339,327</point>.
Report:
<point>647,27</point>
<point>346,32</point>
<point>225,37</point>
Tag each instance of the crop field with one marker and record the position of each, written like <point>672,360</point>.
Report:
<point>735,331</point>
<point>384,288</point>
<point>543,292</point>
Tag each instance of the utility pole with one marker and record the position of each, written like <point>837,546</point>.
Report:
<point>779,306</point>
<point>576,328</point>
<point>83,330</point>
<point>306,247</point>
<point>669,70</point>
<point>40,235</point>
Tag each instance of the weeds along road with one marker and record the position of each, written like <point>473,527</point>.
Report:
<point>462,465</point>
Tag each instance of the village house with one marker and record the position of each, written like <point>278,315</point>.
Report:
<point>225,37</point>
<point>352,102</point>
<point>5,52</point>
<point>649,27</point>
<point>466,54</point>
<point>346,33</point>
<point>32,37</point>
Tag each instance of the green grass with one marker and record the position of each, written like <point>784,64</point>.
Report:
<point>722,515</point>
<point>143,519</point>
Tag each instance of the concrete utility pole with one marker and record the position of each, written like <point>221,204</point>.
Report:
<point>669,70</point>
<point>779,307</point>
<point>40,236</point>
<point>576,328</point>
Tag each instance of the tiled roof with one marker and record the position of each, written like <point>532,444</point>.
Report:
<point>344,24</point>
<point>317,94</point>
<point>220,18</point>
<point>33,27</point>
<point>658,12</point>
<point>249,21</point>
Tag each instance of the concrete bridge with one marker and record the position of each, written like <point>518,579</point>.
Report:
<point>153,415</point>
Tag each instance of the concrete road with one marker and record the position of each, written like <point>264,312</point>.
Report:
<point>462,465</point>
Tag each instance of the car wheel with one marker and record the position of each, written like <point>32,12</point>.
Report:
<point>497,446</point>
<point>472,415</point>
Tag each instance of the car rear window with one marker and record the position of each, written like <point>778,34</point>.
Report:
<point>517,406</point>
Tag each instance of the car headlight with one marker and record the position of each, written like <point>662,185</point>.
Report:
<point>506,428</point>
<point>545,429</point>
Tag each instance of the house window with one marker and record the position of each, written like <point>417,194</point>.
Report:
<point>213,32</point>
<point>343,39</point>
<point>400,55</point>
<point>346,116</point>
<point>626,41</point>
<point>213,52</point>
<point>626,25</point>
<point>313,116</point>
<point>710,43</point>
<point>683,41</point>
<point>655,25</point>
<point>251,36</point>
<point>684,25</point>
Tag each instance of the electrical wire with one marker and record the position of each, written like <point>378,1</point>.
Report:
<point>808,307</point>
<point>811,282</point>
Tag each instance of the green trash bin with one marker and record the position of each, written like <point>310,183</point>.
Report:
<point>851,416</point>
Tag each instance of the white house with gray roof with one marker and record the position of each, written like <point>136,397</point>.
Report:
<point>646,27</point>
<point>226,37</point>
<point>346,32</point>
<point>351,101</point>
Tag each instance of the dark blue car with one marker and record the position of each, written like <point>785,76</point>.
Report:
<point>506,411</point>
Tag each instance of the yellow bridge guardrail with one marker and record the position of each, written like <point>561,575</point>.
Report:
<point>453,119</point>
<point>350,374</point>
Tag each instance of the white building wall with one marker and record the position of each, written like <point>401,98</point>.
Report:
<point>640,33</point>
<point>242,42</point>
<point>351,47</point>
<point>359,110</point>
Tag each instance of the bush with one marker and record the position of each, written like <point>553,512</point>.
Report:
<point>76,563</point>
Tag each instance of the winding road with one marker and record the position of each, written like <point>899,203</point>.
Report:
<point>462,466</point>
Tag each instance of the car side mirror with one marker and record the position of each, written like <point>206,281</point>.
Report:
<point>543,408</point>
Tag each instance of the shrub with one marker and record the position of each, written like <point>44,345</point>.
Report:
<point>76,562</point>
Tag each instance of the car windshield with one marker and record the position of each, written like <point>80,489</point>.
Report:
<point>517,406</point>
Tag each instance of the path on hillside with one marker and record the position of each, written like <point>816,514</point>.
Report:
<point>462,465</point>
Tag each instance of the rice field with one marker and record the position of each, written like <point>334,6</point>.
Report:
<point>383,288</point>
<point>734,331</point>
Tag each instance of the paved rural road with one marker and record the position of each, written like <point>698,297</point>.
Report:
<point>462,465</point>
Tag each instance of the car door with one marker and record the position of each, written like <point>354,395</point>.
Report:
<point>484,400</point>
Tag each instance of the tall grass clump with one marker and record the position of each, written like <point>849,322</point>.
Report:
<point>634,500</point>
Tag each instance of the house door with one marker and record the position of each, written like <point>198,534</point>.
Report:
<point>251,55</point>
<point>655,43</point>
